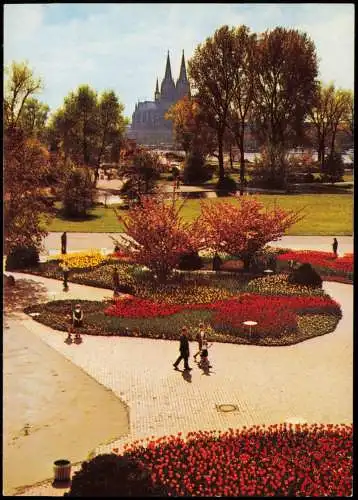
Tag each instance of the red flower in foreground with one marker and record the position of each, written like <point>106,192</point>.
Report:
<point>287,460</point>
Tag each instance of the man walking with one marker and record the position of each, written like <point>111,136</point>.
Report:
<point>64,243</point>
<point>66,272</point>
<point>184,350</point>
<point>335,247</point>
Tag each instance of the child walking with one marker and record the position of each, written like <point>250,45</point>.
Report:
<point>204,355</point>
<point>201,336</point>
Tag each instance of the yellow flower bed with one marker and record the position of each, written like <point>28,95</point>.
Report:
<point>81,260</point>
<point>175,294</point>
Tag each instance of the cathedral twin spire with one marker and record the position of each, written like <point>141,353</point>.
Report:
<point>168,87</point>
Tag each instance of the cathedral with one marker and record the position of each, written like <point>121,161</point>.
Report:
<point>149,127</point>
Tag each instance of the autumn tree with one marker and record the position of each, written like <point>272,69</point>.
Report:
<point>212,70</point>
<point>156,235</point>
<point>285,87</point>
<point>27,168</point>
<point>330,113</point>
<point>26,208</point>
<point>243,227</point>
<point>190,129</point>
<point>244,92</point>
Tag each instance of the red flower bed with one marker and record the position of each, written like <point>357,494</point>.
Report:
<point>273,314</point>
<point>287,460</point>
<point>321,259</point>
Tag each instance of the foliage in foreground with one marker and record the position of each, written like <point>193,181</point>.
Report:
<point>284,459</point>
<point>111,476</point>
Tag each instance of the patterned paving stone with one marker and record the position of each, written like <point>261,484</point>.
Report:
<point>310,381</point>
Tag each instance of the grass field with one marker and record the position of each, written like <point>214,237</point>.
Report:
<point>324,215</point>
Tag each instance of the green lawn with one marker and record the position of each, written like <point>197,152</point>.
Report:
<point>325,214</point>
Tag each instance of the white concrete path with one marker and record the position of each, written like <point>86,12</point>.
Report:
<point>83,241</point>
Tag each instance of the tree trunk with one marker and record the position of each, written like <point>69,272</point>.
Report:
<point>221,156</point>
<point>242,161</point>
<point>230,156</point>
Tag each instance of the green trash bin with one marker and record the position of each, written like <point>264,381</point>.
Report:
<point>62,470</point>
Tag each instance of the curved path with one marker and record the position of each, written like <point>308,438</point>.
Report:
<point>310,381</point>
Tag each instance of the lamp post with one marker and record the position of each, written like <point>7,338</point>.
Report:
<point>250,324</point>
<point>268,272</point>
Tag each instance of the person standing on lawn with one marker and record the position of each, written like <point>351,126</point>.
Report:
<point>64,243</point>
<point>184,350</point>
<point>335,247</point>
<point>201,336</point>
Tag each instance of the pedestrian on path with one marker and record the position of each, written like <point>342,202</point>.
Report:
<point>66,272</point>
<point>115,277</point>
<point>335,247</point>
<point>204,356</point>
<point>64,243</point>
<point>184,350</point>
<point>201,336</point>
<point>77,316</point>
<point>217,262</point>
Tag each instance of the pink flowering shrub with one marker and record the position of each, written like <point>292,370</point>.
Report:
<point>284,459</point>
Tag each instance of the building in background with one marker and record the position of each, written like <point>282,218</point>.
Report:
<point>149,127</point>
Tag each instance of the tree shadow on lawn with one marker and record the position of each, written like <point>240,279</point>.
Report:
<point>25,292</point>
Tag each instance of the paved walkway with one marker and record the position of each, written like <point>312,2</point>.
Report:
<point>83,241</point>
<point>310,381</point>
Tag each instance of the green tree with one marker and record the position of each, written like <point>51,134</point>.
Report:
<point>212,70</point>
<point>34,117</point>
<point>285,87</point>
<point>20,85</point>
<point>89,128</point>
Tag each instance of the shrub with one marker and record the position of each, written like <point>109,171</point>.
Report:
<point>226,185</point>
<point>175,173</point>
<point>195,170</point>
<point>333,168</point>
<point>305,275</point>
<point>110,475</point>
<point>78,193</point>
<point>22,257</point>
<point>190,261</point>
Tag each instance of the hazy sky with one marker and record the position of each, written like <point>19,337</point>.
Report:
<point>124,46</point>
